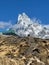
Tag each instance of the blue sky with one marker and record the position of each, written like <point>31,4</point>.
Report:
<point>9,10</point>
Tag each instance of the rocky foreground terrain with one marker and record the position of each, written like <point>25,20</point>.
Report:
<point>15,50</point>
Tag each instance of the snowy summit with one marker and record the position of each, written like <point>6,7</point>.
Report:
<point>25,26</point>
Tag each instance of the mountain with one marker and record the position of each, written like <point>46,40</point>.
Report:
<point>25,43</point>
<point>28,27</point>
<point>15,50</point>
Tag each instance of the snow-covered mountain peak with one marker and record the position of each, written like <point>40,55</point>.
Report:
<point>26,26</point>
<point>24,19</point>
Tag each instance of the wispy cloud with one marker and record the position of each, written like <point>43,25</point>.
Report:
<point>5,24</point>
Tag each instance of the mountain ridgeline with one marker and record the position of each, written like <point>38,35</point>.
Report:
<point>25,43</point>
<point>15,50</point>
<point>28,27</point>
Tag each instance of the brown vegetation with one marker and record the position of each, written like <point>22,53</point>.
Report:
<point>15,50</point>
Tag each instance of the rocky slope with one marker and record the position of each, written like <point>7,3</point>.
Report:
<point>16,50</point>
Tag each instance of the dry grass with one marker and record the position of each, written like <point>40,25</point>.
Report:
<point>23,51</point>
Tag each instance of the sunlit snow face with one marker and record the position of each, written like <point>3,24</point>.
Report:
<point>26,26</point>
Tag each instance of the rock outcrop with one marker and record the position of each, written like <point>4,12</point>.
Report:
<point>16,50</point>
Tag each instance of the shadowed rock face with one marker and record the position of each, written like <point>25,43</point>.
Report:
<point>16,50</point>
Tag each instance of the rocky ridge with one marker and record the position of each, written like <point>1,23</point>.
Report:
<point>15,50</point>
